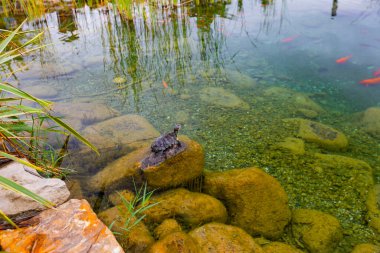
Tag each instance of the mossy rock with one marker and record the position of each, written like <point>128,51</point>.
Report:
<point>167,227</point>
<point>320,134</point>
<point>370,121</point>
<point>255,200</point>
<point>216,237</point>
<point>292,145</point>
<point>190,208</point>
<point>138,239</point>
<point>119,172</point>
<point>366,248</point>
<point>177,242</point>
<point>373,206</point>
<point>279,247</point>
<point>178,169</point>
<point>318,232</point>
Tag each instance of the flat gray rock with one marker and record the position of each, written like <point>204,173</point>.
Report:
<point>12,203</point>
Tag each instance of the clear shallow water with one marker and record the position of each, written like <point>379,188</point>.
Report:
<point>290,44</point>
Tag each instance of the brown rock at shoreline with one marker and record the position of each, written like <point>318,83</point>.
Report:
<point>190,208</point>
<point>319,232</point>
<point>137,239</point>
<point>178,169</point>
<point>255,200</point>
<point>216,237</point>
<point>177,242</point>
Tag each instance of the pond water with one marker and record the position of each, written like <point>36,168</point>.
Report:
<point>230,73</point>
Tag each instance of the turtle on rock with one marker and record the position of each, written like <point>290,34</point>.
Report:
<point>164,147</point>
<point>166,141</point>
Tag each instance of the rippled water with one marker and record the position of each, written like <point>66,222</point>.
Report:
<point>246,48</point>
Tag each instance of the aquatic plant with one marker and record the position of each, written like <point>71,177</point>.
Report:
<point>135,208</point>
<point>20,124</point>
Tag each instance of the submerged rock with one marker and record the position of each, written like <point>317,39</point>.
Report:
<point>13,204</point>
<point>240,80</point>
<point>279,247</point>
<point>71,227</point>
<point>292,145</point>
<point>136,239</point>
<point>178,169</point>
<point>373,206</point>
<point>320,134</point>
<point>296,101</point>
<point>371,121</point>
<point>87,113</point>
<point>190,208</point>
<point>41,91</point>
<point>119,172</point>
<point>317,231</point>
<point>114,137</point>
<point>216,237</point>
<point>223,98</point>
<point>255,200</point>
<point>175,242</point>
<point>366,248</point>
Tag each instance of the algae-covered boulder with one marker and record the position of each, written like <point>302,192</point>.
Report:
<point>320,134</point>
<point>279,247</point>
<point>223,98</point>
<point>216,237</point>
<point>167,227</point>
<point>191,208</point>
<point>178,169</point>
<point>255,200</point>
<point>317,231</point>
<point>371,121</point>
<point>293,145</point>
<point>295,102</point>
<point>373,207</point>
<point>175,242</point>
<point>238,79</point>
<point>120,171</point>
<point>366,248</point>
<point>137,239</point>
<point>358,172</point>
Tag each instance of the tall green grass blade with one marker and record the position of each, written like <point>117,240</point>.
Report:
<point>19,160</point>
<point>7,219</point>
<point>24,95</point>
<point>5,42</point>
<point>73,132</point>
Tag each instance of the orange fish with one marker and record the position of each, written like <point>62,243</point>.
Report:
<point>344,59</point>
<point>289,39</point>
<point>377,72</point>
<point>371,81</point>
<point>164,84</point>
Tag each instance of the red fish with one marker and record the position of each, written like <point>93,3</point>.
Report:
<point>371,81</point>
<point>377,72</point>
<point>343,59</point>
<point>289,39</point>
<point>164,84</point>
